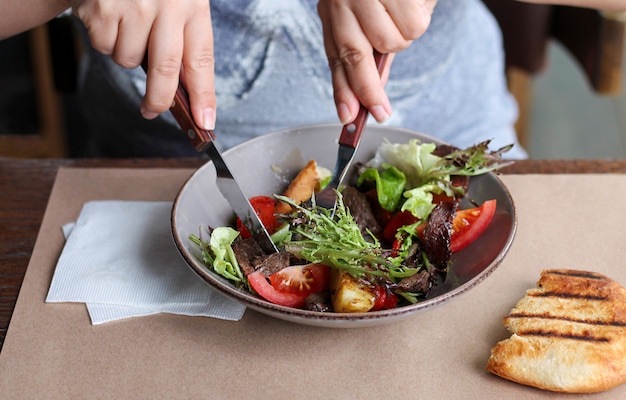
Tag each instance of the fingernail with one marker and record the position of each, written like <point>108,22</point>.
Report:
<point>344,113</point>
<point>379,113</point>
<point>148,114</point>
<point>208,118</point>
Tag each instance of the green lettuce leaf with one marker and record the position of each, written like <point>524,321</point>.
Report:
<point>218,253</point>
<point>390,183</point>
<point>419,201</point>
<point>224,261</point>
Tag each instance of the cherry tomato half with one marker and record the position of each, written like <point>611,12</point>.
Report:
<point>399,220</point>
<point>264,207</point>
<point>384,299</point>
<point>301,279</point>
<point>469,224</point>
<point>290,286</point>
<point>260,284</point>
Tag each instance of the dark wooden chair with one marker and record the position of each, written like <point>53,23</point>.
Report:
<point>49,140</point>
<point>594,39</point>
<point>51,53</point>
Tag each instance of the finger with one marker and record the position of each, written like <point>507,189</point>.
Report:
<point>198,68</point>
<point>379,28</point>
<point>346,102</point>
<point>101,24</point>
<point>356,55</point>
<point>410,17</point>
<point>165,49</point>
<point>132,40</point>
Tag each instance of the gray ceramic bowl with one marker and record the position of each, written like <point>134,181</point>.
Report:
<point>265,165</point>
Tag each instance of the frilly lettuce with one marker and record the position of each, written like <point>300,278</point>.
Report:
<point>337,241</point>
<point>424,173</point>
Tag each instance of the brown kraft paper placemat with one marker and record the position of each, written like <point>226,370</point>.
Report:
<point>52,350</point>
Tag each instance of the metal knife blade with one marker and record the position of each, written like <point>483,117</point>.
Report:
<point>204,141</point>
<point>238,200</point>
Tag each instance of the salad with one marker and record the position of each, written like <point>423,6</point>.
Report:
<point>387,243</point>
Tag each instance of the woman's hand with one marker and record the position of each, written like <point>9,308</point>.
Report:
<point>177,37</point>
<point>352,29</point>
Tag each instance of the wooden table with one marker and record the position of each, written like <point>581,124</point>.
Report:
<point>25,186</point>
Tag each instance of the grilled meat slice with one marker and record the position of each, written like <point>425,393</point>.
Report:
<point>251,257</point>
<point>319,301</point>
<point>269,264</point>
<point>437,234</point>
<point>418,283</point>
<point>246,251</point>
<point>361,210</point>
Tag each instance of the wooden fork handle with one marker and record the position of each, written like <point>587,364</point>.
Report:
<point>351,132</point>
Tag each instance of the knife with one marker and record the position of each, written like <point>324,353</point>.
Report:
<point>204,141</point>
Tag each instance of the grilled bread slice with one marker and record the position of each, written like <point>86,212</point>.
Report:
<point>568,335</point>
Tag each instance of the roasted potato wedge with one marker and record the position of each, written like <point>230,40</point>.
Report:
<point>349,295</point>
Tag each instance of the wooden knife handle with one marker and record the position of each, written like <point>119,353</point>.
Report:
<point>181,110</point>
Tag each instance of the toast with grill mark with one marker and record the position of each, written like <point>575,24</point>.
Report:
<point>568,334</point>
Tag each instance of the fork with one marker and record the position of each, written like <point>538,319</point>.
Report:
<point>348,143</point>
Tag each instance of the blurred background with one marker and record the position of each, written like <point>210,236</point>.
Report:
<point>568,119</point>
<point>567,109</point>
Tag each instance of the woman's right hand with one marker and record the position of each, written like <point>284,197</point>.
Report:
<point>177,37</point>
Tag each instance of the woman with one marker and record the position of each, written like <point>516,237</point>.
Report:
<point>264,66</point>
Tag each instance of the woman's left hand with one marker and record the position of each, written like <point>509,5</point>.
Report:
<point>352,30</point>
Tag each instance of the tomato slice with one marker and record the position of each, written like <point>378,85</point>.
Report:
<point>264,207</point>
<point>399,219</point>
<point>469,224</point>
<point>384,299</point>
<point>259,283</point>
<point>301,279</point>
<point>290,286</point>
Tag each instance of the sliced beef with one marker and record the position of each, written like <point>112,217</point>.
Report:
<point>318,302</point>
<point>437,234</point>
<point>382,216</point>
<point>414,256</point>
<point>246,251</point>
<point>251,257</point>
<point>418,283</point>
<point>361,210</point>
<point>267,249</point>
<point>269,264</point>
